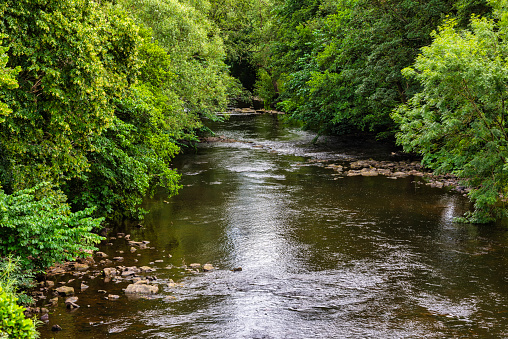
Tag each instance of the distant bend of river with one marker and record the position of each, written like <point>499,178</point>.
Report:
<point>321,257</point>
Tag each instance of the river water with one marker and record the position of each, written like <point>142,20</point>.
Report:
<point>321,256</point>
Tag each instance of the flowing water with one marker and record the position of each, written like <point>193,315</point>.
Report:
<point>321,257</point>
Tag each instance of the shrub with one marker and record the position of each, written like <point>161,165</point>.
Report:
<point>37,226</point>
<point>13,323</point>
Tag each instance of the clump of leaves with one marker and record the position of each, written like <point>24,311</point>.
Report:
<point>13,323</point>
<point>37,225</point>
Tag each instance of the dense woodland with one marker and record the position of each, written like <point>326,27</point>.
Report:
<point>97,97</point>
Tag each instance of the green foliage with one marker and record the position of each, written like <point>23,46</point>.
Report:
<point>337,63</point>
<point>458,120</point>
<point>102,102</point>
<point>37,226</point>
<point>16,279</point>
<point>7,80</point>
<point>194,48</point>
<point>74,56</point>
<point>134,154</point>
<point>13,323</point>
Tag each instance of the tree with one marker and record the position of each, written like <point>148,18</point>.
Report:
<point>195,49</point>
<point>75,57</point>
<point>458,120</point>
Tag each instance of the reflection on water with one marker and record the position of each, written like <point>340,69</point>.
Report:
<point>357,257</point>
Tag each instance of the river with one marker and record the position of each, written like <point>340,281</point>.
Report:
<point>322,256</point>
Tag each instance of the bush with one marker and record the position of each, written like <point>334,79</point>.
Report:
<point>37,226</point>
<point>13,323</point>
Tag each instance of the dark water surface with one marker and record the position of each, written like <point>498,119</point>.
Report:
<point>356,257</point>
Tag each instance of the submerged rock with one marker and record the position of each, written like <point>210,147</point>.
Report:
<point>56,328</point>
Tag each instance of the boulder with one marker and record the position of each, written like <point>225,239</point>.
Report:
<point>71,302</point>
<point>109,271</point>
<point>146,269</point>
<point>369,173</point>
<point>128,273</point>
<point>65,290</point>
<point>208,267</point>
<point>81,267</point>
<point>140,288</point>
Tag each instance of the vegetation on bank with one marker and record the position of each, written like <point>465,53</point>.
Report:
<point>430,75</point>
<point>96,98</point>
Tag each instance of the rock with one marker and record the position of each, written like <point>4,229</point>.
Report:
<point>400,174</point>
<point>71,302</point>
<point>128,237</point>
<point>352,173</point>
<point>133,249</point>
<point>56,328</point>
<point>50,284</point>
<point>83,286</point>
<point>236,269</point>
<point>65,290</point>
<point>53,301</point>
<point>120,235</point>
<point>109,272</point>
<point>113,297</point>
<point>128,273</point>
<point>45,317</point>
<point>81,267</point>
<point>140,288</point>
<point>195,265</point>
<point>146,269</point>
<point>369,173</point>
<point>159,260</point>
<point>56,270</point>
<point>102,291</point>
<point>208,267</point>
<point>121,252</point>
<point>101,255</point>
<point>118,258</point>
<point>72,306</point>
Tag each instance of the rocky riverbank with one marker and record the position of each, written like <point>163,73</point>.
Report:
<point>395,170</point>
<point>64,283</point>
<point>350,167</point>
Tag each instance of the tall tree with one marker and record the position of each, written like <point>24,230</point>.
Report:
<point>458,120</point>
